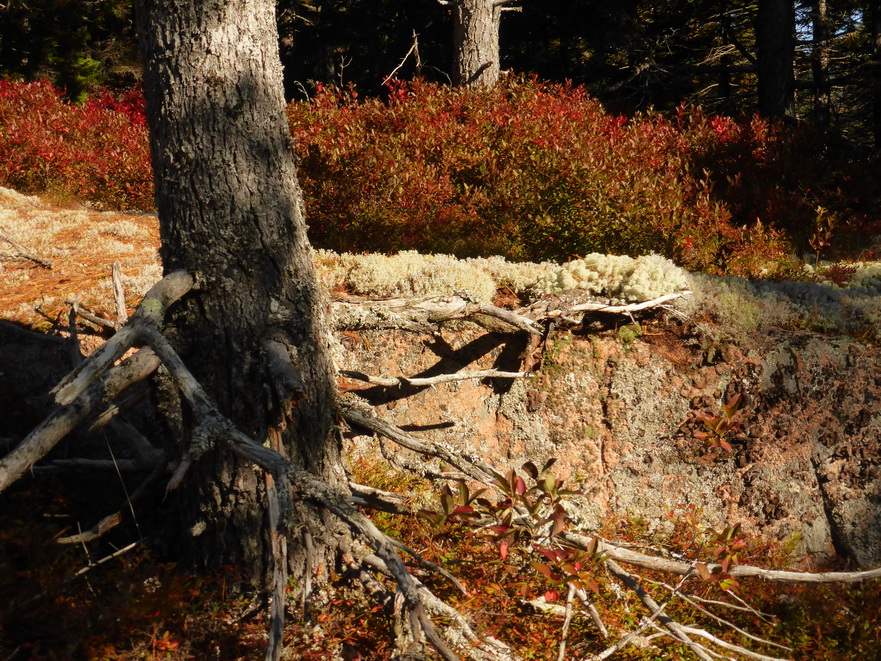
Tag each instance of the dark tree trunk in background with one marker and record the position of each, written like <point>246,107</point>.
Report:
<point>775,39</point>
<point>231,213</point>
<point>476,42</point>
<point>874,18</point>
<point>822,32</point>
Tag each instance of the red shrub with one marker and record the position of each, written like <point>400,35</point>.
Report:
<point>792,179</point>
<point>97,152</point>
<point>527,170</point>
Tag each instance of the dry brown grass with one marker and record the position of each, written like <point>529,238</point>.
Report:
<point>81,245</point>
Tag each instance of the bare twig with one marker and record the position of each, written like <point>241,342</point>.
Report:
<point>669,566</point>
<point>669,623</point>
<point>80,572</point>
<point>23,252</point>
<point>413,49</point>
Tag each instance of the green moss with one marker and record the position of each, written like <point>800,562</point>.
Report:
<point>629,333</point>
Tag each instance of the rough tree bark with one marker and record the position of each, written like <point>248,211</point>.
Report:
<point>476,42</point>
<point>775,40</point>
<point>231,213</point>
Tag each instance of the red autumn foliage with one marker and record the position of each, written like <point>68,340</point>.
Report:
<point>528,170</point>
<point>97,151</point>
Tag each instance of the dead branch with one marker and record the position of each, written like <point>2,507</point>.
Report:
<point>23,252</point>
<point>64,418</point>
<point>645,561</point>
<point>431,380</point>
<point>669,623</point>
<point>726,645</point>
<point>425,314</point>
<point>148,315</point>
<point>98,530</point>
<point>721,620</point>
<point>80,572</point>
<point>472,467</point>
<point>567,619</point>
<point>118,295</point>
<point>377,499</point>
<point>414,49</point>
<point>553,308</point>
<point>94,318</point>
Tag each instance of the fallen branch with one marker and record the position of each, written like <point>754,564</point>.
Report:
<point>474,468</point>
<point>148,315</point>
<point>431,380</point>
<point>23,252</point>
<point>64,418</point>
<point>553,308</point>
<point>645,561</point>
<point>425,314</point>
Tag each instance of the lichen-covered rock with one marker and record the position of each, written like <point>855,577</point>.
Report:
<point>619,416</point>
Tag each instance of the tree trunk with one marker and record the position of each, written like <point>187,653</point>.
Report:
<point>476,42</point>
<point>822,32</point>
<point>874,17</point>
<point>231,213</point>
<point>775,38</point>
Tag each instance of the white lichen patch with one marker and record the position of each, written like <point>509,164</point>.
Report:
<point>867,277</point>
<point>619,278</point>
<point>412,274</point>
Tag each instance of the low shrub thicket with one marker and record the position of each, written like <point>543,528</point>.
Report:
<point>97,151</point>
<point>526,170</point>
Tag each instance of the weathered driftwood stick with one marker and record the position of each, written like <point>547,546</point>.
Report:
<point>425,314</point>
<point>473,468</point>
<point>23,252</point>
<point>118,294</point>
<point>551,308</point>
<point>637,559</point>
<point>64,418</point>
<point>431,380</point>
<point>149,315</point>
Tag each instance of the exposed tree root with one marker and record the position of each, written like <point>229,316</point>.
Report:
<point>98,380</point>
